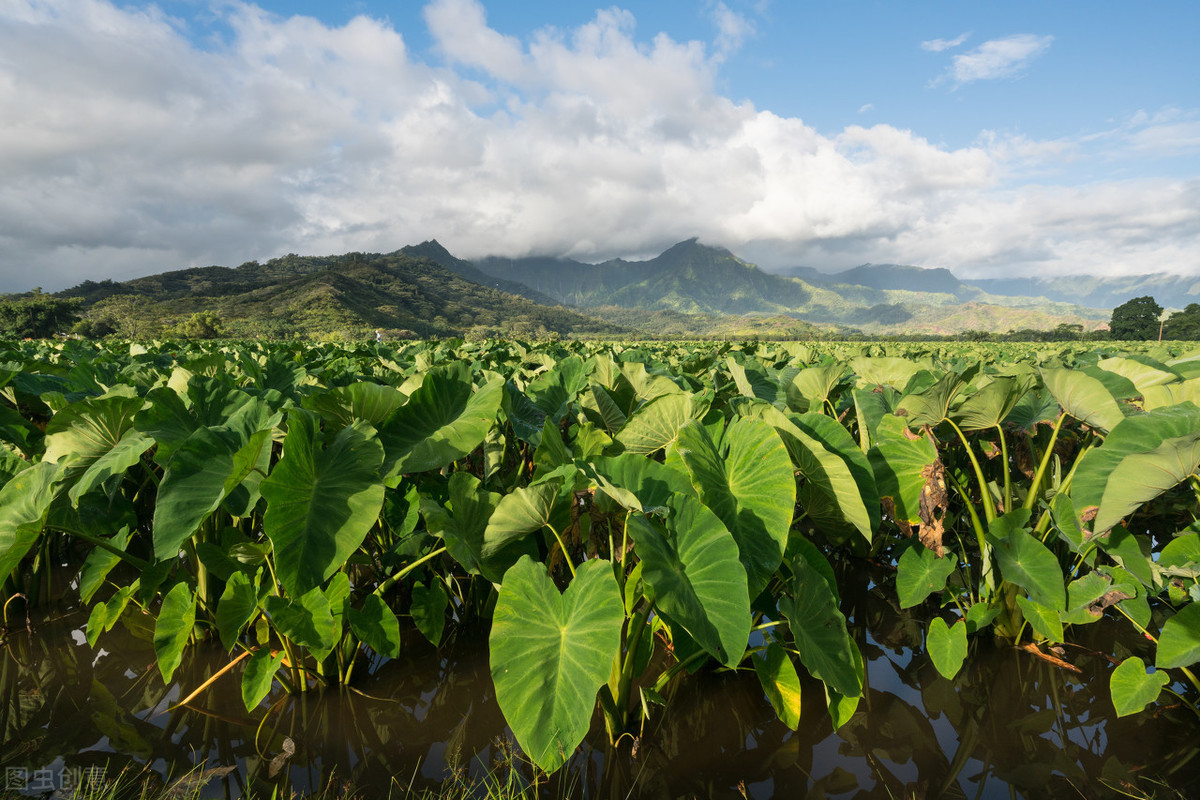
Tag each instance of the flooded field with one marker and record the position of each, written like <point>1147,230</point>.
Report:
<point>1010,724</point>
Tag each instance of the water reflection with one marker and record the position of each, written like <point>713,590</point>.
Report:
<point>1010,724</point>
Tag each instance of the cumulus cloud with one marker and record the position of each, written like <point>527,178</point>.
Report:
<point>128,150</point>
<point>938,45</point>
<point>998,58</point>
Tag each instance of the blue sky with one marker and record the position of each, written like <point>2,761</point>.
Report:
<point>990,138</point>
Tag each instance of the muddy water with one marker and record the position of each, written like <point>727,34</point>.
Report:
<point>1010,724</point>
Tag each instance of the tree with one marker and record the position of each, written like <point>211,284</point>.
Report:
<point>203,325</point>
<point>1184,325</point>
<point>36,315</point>
<point>1136,320</point>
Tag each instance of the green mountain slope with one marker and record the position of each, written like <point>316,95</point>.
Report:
<point>347,295</point>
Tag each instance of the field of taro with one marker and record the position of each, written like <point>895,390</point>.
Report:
<point>615,520</point>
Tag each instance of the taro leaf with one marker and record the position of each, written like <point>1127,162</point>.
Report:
<point>237,606</point>
<point>1025,561</point>
<point>899,464</point>
<point>1132,688</point>
<point>321,503</point>
<point>780,683</point>
<point>837,440</point>
<point>832,492</point>
<point>307,621</point>
<point>105,615</point>
<point>87,437</point>
<point>1067,524</point>
<point>370,402</point>
<point>192,487</point>
<point>920,572</point>
<point>656,424</point>
<point>1171,394</point>
<point>869,409</point>
<point>989,406</point>
<point>1141,458</point>
<point>19,431</point>
<point>884,370</point>
<point>1047,622</point>
<point>1083,397</point>
<point>550,653</point>
<point>947,646</point>
<point>442,421</point>
<point>525,510</point>
<point>1179,642</point>
<point>932,405</point>
<point>608,411</point>
<point>826,648</point>
<point>461,525</point>
<point>1034,407</point>
<point>429,610</point>
<point>697,580</point>
<point>173,628</point>
<point>638,483</point>
<point>748,484</point>
<point>753,380</point>
<point>24,504</point>
<point>1142,372</point>
<point>527,419</point>
<point>376,626</point>
<point>811,387</point>
<point>1181,553</point>
<point>1130,551</point>
<point>979,616</point>
<point>99,563</point>
<point>1082,597</point>
<point>259,675</point>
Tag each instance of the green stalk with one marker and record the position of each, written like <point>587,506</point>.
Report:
<point>985,559</point>
<point>390,582</point>
<point>1007,476</point>
<point>1035,488</point>
<point>637,628</point>
<point>562,546</point>
<point>989,508</point>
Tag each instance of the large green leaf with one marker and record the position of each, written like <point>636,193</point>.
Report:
<point>932,405</point>
<point>780,683</point>
<point>173,628</point>
<point>550,653</point>
<point>238,604</point>
<point>95,439</point>
<point>696,578</point>
<point>1132,688</point>
<point>442,421</point>
<point>748,484</point>
<point>900,464</point>
<point>989,406</point>
<point>308,621</point>
<point>947,646</point>
<point>811,387</point>
<point>259,675</point>
<point>523,511</point>
<point>376,626</point>
<point>920,572</point>
<point>192,487</point>
<point>1179,642</point>
<point>832,492</point>
<point>655,425</point>
<point>24,504</point>
<point>370,402</point>
<point>1083,397</point>
<point>462,522</point>
<point>825,646</point>
<point>1141,371</point>
<point>1025,561</point>
<point>1141,458</point>
<point>884,371</point>
<point>321,502</point>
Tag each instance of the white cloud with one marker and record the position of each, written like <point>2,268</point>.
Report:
<point>732,29</point>
<point>866,107</point>
<point>998,58</point>
<point>127,150</point>
<point>938,45</point>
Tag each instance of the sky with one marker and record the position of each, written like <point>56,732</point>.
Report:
<point>994,139</point>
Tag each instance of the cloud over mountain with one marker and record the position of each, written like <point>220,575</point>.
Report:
<point>127,148</point>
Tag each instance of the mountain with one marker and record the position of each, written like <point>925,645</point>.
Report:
<point>697,279</point>
<point>433,251</point>
<point>347,295</point>
<point>1169,291</point>
<point>690,278</point>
